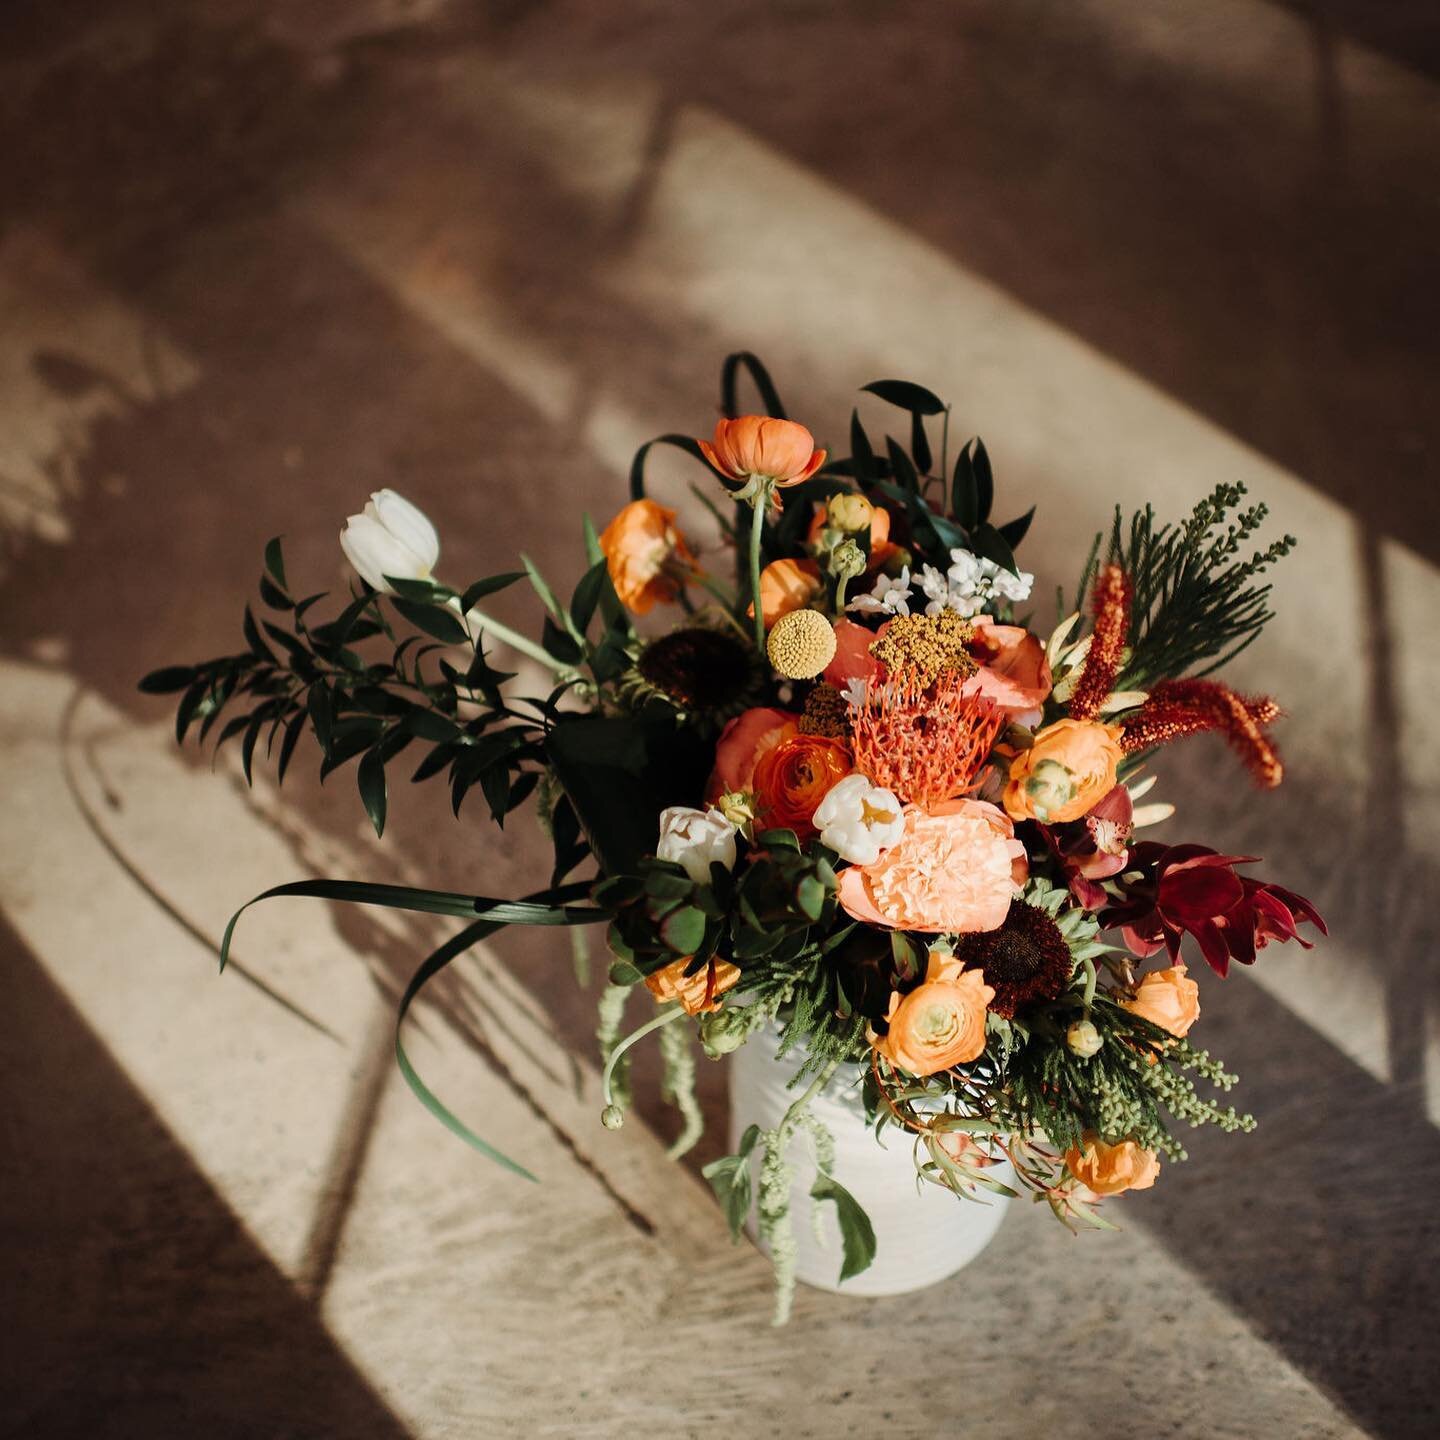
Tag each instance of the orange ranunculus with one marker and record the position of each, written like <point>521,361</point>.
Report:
<point>793,777</point>
<point>941,1022</point>
<point>786,585</point>
<point>956,869</point>
<point>672,983</point>
<point>742,742</point>
<point>1112,1169</point>
<point>1167,998</point>
<point>1069,769</point>
<point>778,450</point>
<point>1013,672</point>
<point>646,555</point>
<point>880,547</point>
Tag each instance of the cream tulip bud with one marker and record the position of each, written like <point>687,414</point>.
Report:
<point>695,839</point>
<point>390,537</point>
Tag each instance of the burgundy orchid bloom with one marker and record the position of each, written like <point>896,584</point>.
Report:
<point>1094,847</point>
<point>1189,889</point>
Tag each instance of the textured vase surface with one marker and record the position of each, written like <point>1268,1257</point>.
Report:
<point>921,1237</point>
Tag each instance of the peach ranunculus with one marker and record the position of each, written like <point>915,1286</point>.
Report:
<point>955,869</point>
<point>853,660</point>
<point>1112,1169</point>
<point>941,1022</point>
<point>1069,768</point>
<point>777,450</point>
<point>794,776</point>
<point>786,585</point>
<point>880,547</point>
<point>646,555</point>
<point>742,742</point>
<point>672,983</point>
<point>1013,672</point>
<point>1167,998</point>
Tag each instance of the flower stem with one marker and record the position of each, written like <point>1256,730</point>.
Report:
<point>757,529</point>
<point>663,1018</point>
<point>476,621</point>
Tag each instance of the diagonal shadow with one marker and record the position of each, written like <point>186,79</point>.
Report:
<point>136,1303</point>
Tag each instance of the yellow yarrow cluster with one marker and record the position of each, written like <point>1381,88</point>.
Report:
<point>927,646</point>
<point>801,644</point>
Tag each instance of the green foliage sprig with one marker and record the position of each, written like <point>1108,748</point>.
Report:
<point>1195,606</point>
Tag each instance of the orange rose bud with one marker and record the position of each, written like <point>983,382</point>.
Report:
<point>1167,998</point>
<point>646,555</point>
<point>793,777</point>
<point>786,585</point>
<point>941,1022</point>
<point>1112,1169</point>
<point>776,450</point>
<point>696,994</point>
<point>1067,771</point>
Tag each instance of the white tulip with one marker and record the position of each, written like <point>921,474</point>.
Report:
<point>858,820</point>
<point>695,839</point>
<point>390,537</point>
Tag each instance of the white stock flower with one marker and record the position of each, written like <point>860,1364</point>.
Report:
<point>971,584</point>
<point>891,594</point>
<point>858,820</point>
<point>390,537</point>
<point>694,838</point>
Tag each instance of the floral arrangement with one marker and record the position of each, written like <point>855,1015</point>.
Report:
<point>856,796</point>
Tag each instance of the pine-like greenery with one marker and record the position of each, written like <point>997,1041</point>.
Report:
<point>1195,604</point>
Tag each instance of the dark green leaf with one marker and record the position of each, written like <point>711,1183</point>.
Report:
<point>907,395</point>
<point>810,895</point>
<point>903,467</point>
<point>683,929</point>
<point>275,562</point>
<point>321,706</point>
<point>920,444</point>
<point>488,586</point>
<point>168,679</point>
<point>258,647</point>
<point>293,732</point>
<point>434,620</point>
<point>861,452</point>
<point>856,1232</point>
<point>371,780</point>
<point>273,596</point>
<point>560,643</point>
<point>989,542</point>
<point>587,595</point>
<point>1014,531</point>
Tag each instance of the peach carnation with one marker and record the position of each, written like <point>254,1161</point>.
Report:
<point>955,869</point>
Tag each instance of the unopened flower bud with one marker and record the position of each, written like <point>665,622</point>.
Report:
<point>612,1117</point>
<point>1083,1039</point>
<point>847,560</point>
<point>738,807</point>
<point>722,1031</point>
<point>850,513</point>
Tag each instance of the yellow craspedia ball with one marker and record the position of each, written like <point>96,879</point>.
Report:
<point>801,644</point>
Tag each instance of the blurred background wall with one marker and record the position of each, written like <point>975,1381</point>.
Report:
<point>258,259</point>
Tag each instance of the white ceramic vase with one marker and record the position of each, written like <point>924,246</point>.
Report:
<point>922,1237</point>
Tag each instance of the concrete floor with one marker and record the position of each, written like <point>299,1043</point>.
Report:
<point>257,259</point>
